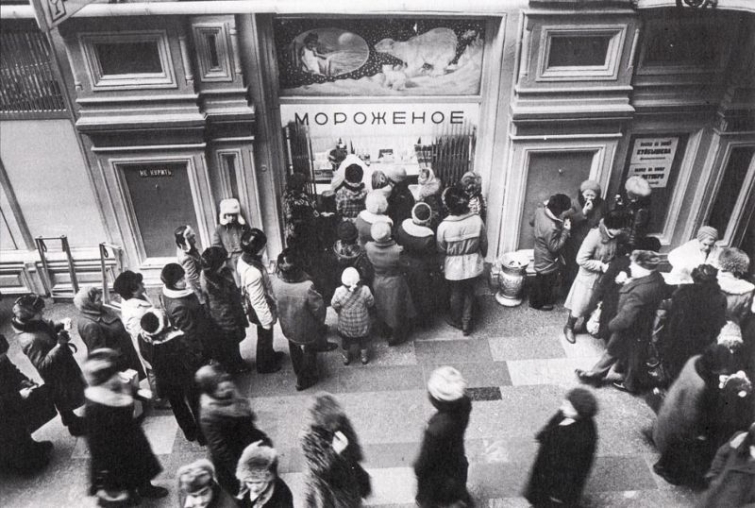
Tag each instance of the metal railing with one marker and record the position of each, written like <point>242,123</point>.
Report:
<point>46,275</point>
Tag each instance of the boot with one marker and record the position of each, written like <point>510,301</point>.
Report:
<point>365,357</point>
<point>569,330</point>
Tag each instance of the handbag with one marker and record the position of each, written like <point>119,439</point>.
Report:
<point>593,324</point>
<point>39,408</point>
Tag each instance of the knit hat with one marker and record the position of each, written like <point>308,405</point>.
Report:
<point>446,384</point>
<point>27,306</point>
<point>257,462</point>
<point>734,260</point>
<point>646,259</point>
<point>230,206</point>
<point>350,278</point>
<point>730,336</point>
<point>707,232</point>
<point>590,185</point>
<point>638,186</point>
<point>396,174</point>
<point>379,180</point>
<point>381,232</point>
<point>422,214</point>
<point>172,273</point>
<point>583,401</point>
<point>125,284</point>
<point>101,365</point>
<point>347,232</point>
<point>195,476</point>
<point>354,173</point>
<point>376,203</point>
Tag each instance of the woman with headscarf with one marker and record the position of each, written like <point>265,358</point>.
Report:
<point>471,183</point>
<point>463,243</point>
<point>261,486</point>
<point>429,192</point>
<point>686,425</point>
<point>701,250</point>
<point>334,477</point>
<point>185,312</point>
<point>188,257</point>
<point>299,215</point>
<point>734,265</point>
<point>586,212</point>
<point>567,448</point>
<point>198,488</point>
<point>47,345</point>
<point>419,260</point>
<point>595,254</point>
<point>637,205</point>
<point>226,310</point>
<point>696,315</point>
<point>227,422</point>
<point>375,210</point>
<point>231,226</point>
<point>122,462</point>
<point>301,311</point>
<point>441,467</point>
<point>731,478</point>
<point>393,302</point>
<point>99,328</point>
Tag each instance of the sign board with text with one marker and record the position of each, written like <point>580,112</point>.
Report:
<point>652,158</point>
<point>51,13</point>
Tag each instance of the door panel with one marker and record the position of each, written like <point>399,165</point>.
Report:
<point>551,173</point>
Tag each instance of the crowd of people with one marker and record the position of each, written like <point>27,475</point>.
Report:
<point>390,260</point>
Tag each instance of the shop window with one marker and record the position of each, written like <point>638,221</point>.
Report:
<point>213,52</point>
<point>584,53</point>
<point>228,162</point>
<point>732,182</point>
<point>128,60</point>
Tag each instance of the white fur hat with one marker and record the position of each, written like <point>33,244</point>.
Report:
<point>230,206</point>
<point>637,186</point>
<point>446,384</point>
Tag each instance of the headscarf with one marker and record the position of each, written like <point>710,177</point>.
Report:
<point>429,185</point>
<point>350,278</point>
<point>707,233</point>
<point>84,299</point>
<point>27,306</point>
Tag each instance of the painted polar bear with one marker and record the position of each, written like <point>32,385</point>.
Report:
<point>430,52</point>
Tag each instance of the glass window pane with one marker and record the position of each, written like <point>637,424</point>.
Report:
<point>578,51</point>
<point>229,164</point>
<point>129,58</point>
<point>731,185</point>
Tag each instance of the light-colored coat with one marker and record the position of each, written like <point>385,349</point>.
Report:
<point>686,258</point>
<point>597,248</point>
<point>464,243</point>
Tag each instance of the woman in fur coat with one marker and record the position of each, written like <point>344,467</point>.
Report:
<point>227,422</point>
<point>331,449</point>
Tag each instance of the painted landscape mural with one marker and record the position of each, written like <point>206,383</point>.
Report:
<point>367,57</point>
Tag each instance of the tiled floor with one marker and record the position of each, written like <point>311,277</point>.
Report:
<point>518,367</point>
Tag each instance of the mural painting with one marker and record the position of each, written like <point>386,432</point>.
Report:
<point>366,57</point>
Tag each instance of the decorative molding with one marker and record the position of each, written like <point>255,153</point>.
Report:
<point>235,50</point>
<point>633,51</point>
<point>145,148</point>
<point>186,60</point>
<point>211,41</point>
<point>164,79</point>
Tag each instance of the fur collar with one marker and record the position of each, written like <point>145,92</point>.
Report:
<point>457,218</point>
<point>372,218</point>
<point>164,332</point>
<point>732,285</point>
<point>102,395</point>
<point>177,293</point>
<point>413,229</point>
<point>353,187</point>
<point>234,407</point>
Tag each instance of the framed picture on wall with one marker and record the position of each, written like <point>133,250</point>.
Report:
<point>369,57</point>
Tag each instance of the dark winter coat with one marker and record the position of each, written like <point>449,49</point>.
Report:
<point>607,292</point>
<point>184,311</point>
<point>392,298</point>
<point>550,239</point>
<point>301,309</point>
<point>400,203</point>
<point>223,299</point>
<point>14,437</point>
<point>281,498</point>
<point>697,313</point>
<point>174,360</point>
<point>331,480</point>
<point>55,362</point>
<point>105,330</point>
<point>563,462</point>
<point>419,261</point>
<point>228,426</point>
<point>121,455</point>
<point>228,236</point>
<point>639,218</point>
<point>336,260</point>
<point>441,467</point>
<point>191,262</point>
<point>732,477</point>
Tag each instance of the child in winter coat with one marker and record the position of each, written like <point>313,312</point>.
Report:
<point>352,302</point>
<point>350,196</point>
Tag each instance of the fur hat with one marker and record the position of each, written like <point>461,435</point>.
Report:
<point>396,174</point>
<point>195,476</point>
<point>257,462</point>
<point>707,232</point>
<point>455,200</point>
<point>583,401</point>
<point>172,273</point>
<point>126,283</point>
<point>646,259</point>
<point>422,214</point>
<point>471,181</point>
<point>27,306</point>
<point>253,241</point>
<point>230,206</point>
<point>590,185</point>
<point>354,173</point>
<point>101,365</point>
<point>638,186</point>
<point>376,203</point>
<point>734,260</point>
<point>446,384</point>
<point>347,232</point>
<point>381,232</point>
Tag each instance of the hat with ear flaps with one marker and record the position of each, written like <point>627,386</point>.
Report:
<point>230,206</point>
<point>258,462</point>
